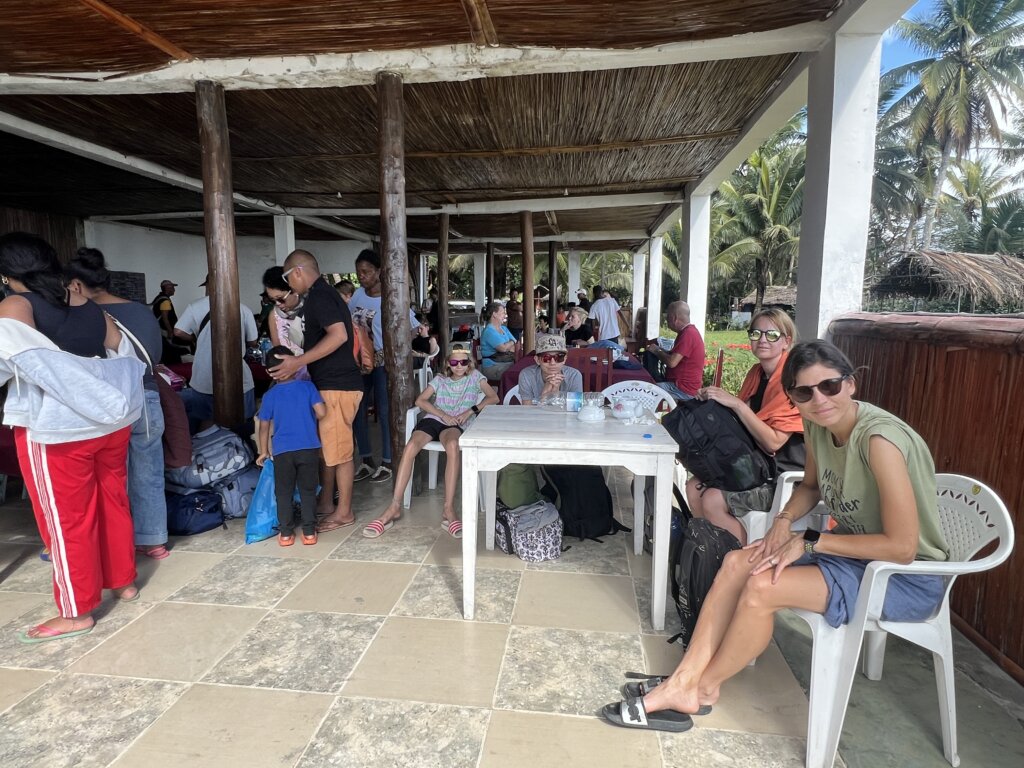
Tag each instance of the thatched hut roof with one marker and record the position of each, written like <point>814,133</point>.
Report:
<point>774,296</point>
<point>979,276</point>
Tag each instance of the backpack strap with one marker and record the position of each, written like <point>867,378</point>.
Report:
<point>140,351</point>
<point>202,324</point>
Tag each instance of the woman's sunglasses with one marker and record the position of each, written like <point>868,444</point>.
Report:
<point>772,336</point>
<point>552,357</point>
<point>282,299</point>
<point>828,387</point>
<point>460,361</point>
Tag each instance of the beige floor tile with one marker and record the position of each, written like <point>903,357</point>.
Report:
<point>172,642</point>
<point>23,571</point>
<point>447,662</point>
<point>223,540</point>
<point>17,523</point>
<point>16,684</point>
<point>577,601</point>
<point>268,729</point>
<point>764,698</point>
<point>448,551</point>
<point>348,586</point>
<point>159,579</point>
<point>14,604</point>
<point>516,739</point>
<point>702,746</point>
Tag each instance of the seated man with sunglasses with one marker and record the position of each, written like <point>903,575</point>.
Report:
<point>684,363</point>
<point>550,375</point>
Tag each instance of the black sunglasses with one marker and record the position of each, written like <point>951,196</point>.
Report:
<point>772,336</point>
<point>827,387</point>
<point>456,362</point>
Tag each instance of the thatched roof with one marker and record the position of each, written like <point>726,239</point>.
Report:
<point>978,276</point>
<point>774,296</point>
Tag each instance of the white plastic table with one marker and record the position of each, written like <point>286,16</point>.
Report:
<point>517,434</point>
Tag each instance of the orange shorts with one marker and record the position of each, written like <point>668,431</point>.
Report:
<point>336,426</point>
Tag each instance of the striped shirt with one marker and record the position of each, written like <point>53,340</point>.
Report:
<point>453,396</point>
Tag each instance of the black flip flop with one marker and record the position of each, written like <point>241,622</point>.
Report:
<point>631,714</point>
<point>641,689</point>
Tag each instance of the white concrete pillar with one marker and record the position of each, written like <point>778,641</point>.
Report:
<point>695,248</point>
<point>639,262</point>
<point>421,282</point>
<point>480,281</point>
<point>654,292</point>
<point>574,276</point>
<point>842,104</point>
<point>284,237</point>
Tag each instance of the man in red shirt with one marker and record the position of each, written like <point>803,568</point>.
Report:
<point>684,363</point>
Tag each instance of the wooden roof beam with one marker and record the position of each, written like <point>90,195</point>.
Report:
<point>597,236</point>
<point>480,24</point>
<point>139,30</point>
<point>26,129</point>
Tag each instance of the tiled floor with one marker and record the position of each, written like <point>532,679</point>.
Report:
<point>354,653</point>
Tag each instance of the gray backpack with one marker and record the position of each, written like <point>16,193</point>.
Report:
<point>532,532</point>
<point>236,491</point>
<point>216,454</point>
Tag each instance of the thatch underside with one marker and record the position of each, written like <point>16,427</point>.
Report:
<point>774,296</point>
<point>977,276</point>
<point>48,36</point>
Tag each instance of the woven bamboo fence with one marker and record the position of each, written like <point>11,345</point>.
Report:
<point>959,381</point>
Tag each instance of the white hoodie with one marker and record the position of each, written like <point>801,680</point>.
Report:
<point>63,398</point>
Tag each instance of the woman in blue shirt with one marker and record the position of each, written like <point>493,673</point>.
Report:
<point>497,344</point>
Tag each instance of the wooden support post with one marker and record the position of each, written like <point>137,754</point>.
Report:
<point>552,283</point>
<point>444,333</point>
<point>529,315</point>
<point>394,263</point>
<point>222,262</point>
<point>491,288</point>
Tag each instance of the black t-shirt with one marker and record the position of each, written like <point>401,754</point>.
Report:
<point>421,344</point>
<point>793,454</point>
<point>79,330</point>
<point>584,333</point>
<point>325,307</point>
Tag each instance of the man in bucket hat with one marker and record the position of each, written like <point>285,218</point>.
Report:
<point>550,375</point>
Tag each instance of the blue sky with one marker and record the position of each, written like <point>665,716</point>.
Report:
<point>896,52</point>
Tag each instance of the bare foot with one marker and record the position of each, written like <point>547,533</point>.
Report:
<point>392,512</point>
<point>61,625</point>
<point>127,593</point>
<point>449,514</point>
<point>677,695</point>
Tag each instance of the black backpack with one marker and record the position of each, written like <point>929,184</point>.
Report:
<point>701,551</point>
<point>716,448</point>
<point>583,500</point>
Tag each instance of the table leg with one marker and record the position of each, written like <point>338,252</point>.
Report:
<point>662,525</point>
<point>489,492</point>
<point>639,483</point>
<point>470,514</point>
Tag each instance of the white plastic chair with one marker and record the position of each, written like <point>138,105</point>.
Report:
<point>650,395</point>
<point>757,523</point>
<point>971,516</point>
<point>434,447</point>
<point>512,394</point>
<point>425,373</point>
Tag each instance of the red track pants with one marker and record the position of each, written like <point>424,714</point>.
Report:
<point>79,497</point>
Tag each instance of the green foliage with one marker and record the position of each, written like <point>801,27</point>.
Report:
<point>737,361</point>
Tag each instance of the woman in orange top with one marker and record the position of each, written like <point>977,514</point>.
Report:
<point>767,413</point>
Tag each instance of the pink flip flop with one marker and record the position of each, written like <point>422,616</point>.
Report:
<point>159,552</point>
<point>453,527</point>
<point>377,528</point>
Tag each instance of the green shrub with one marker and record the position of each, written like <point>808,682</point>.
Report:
<point>738,358</point>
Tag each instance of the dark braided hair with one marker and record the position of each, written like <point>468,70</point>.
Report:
<point>33,261</point>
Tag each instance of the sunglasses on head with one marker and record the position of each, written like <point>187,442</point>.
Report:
<point>458,361</point>
<point>827,387</point>
<point>282,299</point>
<point>772,336</point>
<point>552,357</point>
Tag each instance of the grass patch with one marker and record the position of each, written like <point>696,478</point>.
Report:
<point>738,358</point>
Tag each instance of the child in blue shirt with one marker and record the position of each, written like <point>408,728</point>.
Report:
<point>293,406</point>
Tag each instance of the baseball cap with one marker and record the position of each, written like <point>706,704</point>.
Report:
<point>167,282</point>
<point>549,343</point>
<point>458,350</point>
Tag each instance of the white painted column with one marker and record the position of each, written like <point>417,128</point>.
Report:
<point>284,237</point>
<point>421,282</point>
<point>639,262</point>
<point>480,281</point>
<point>654,293</point>
<point>842,104</point>
<point>696,247</point>
<point>574,276</point>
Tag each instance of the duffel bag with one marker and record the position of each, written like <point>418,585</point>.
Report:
<point>533,533</point>
<point>216,454</point>
<point>193,512</point>
<point>236,491</point>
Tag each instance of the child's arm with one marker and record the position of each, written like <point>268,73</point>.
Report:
<point>319,410</point>
<point>263,442</point>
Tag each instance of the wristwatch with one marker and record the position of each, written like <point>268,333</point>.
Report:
<point>810,539</point>
<point>475,410</point>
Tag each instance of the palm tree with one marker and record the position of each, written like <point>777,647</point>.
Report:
<point>972,70</point>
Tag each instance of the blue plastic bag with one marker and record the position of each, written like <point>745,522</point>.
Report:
<point>261,523</point>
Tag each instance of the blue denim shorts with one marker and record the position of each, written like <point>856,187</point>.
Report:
<point>908,597</point>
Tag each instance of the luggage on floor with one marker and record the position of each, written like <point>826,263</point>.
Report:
<point>517,485</point>
<point>680,514</point>
<point>716,448</point>
<point>532,532</point>
<point>193,512</point>
<point>216,453</point>
<point>236,491</point>
<point>583,500</point>
<point>261,522</point>
<point>700,555</point>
